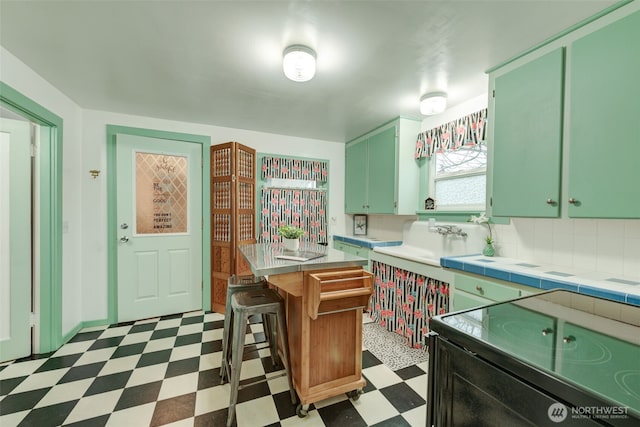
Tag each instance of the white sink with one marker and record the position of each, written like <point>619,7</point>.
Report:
<point>411,253</point>
<point>424,245</point>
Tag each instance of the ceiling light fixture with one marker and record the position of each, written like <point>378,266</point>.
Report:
<point>299,63</point>
<point>433,103</point>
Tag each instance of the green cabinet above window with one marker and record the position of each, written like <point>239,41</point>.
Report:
<point>381,175</point>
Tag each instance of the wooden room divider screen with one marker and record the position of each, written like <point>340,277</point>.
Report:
<point>233,207</point>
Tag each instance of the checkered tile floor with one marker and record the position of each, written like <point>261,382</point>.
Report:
<point>165,371</point>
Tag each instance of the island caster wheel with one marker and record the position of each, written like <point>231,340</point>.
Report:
<point>302,410</point>
<point>354,394</point>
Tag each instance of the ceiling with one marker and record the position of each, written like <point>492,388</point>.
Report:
<point>219,62</point>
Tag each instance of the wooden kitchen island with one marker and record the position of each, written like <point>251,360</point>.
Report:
<point>324,299</point>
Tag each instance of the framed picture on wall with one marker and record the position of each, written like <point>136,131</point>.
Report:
<point>359,225</point>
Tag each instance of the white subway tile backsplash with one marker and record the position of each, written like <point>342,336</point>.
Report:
<point>611,228</point>
<point>610,247</point>
<point>632,257</point>
<point>632,229</point>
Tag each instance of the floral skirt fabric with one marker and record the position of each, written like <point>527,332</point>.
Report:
<point>404,302</point>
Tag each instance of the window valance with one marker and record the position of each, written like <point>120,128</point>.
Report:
<point>287,168</point>
<point>465,131</point>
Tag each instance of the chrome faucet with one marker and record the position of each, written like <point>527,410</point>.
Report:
<point>446,230</point>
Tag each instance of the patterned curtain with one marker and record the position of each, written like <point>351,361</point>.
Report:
<point>465,131</point>
<point>286,168</point>
<point>298,207</point>
<point>404,302</point>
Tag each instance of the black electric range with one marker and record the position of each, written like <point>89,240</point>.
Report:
<point>556,358</point>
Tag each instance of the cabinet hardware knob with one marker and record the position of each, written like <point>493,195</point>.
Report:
<point>551,202</point>
<point>573,201</point>
<point>479,289</point>
<point>568,339</point>
<point>547,331</point>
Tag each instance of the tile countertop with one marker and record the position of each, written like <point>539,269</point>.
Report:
<point>547,277</point>
<point>366,241</point>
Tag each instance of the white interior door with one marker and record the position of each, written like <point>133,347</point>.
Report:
<point>15,239</point>
<point>159,186</point>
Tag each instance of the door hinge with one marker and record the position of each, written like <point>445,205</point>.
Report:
<point>32,320</point>
<point>490,201</point>
<point>32,150</point>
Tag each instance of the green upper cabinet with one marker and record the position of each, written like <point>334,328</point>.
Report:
<point>527,140</point>
<point>381,175</point>
<point>382,172</point>
<point>356,177</point>
<point>604,129</point>
<point>565,138</point>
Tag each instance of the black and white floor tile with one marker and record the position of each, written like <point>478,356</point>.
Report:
<point>165,371</point>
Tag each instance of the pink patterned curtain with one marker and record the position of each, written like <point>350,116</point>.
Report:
<point>404,302</point>
<point>297,207</point>
<point>287,168</point>
<point>465,131</point>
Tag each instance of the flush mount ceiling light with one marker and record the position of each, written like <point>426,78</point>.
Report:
<point>433,103</point>
<point>299,63</point>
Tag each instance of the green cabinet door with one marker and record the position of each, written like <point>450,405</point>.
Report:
<point>527,334</point>
<point>528,138</point>
<point>356,177</point>
<point>382,172</point>
<point>603,121</point>
<point>604,364</point>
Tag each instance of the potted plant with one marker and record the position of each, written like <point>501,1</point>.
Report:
<point>291,236</point>
<point>488,250</point>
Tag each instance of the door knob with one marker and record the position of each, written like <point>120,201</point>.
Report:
<point>124,239</point>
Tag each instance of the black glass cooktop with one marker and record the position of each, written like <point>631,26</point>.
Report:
<point>591,342</point>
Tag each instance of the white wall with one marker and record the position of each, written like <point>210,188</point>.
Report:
<point>95,193</point>
<point>20,77</point>
<point>84,209</point>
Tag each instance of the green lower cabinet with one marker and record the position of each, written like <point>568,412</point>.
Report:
<point>473,291</point>
<point>606,365</point>
<point>524,333</point>
<point>463,301</point>
<point>360,251</point>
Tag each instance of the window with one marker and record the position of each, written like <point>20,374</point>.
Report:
<point>458,178</point>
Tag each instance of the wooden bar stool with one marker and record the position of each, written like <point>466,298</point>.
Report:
<point>245,304</point>
<point>237,284</point>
